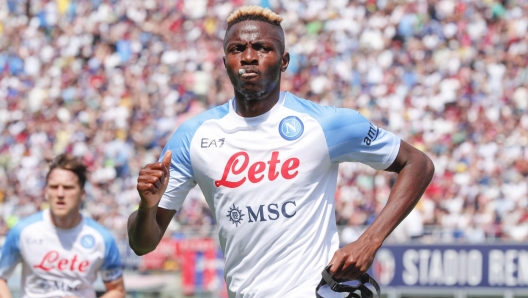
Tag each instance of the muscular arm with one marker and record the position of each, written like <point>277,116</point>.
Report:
<point>146,227</point>
<point>4,289</point>
<point>115,289</point>
<point>415,171</point>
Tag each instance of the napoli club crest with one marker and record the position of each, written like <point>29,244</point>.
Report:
<point>87,241</point>
<point>291,128</point>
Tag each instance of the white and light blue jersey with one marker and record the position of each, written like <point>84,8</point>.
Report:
<point>270,181</point>
<point>59,262</point>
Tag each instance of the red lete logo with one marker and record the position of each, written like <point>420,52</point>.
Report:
<point>52,260</point>
<point>255,172</point>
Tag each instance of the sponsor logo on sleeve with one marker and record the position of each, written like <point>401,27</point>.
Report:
<point>111,273</point>
<point>372,135</point>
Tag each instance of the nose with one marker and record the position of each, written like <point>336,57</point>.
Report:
<point>60,192</point>
<point>250,56</point>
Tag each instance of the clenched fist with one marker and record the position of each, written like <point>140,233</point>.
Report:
<point>353,259</point>
<point>153,180</point>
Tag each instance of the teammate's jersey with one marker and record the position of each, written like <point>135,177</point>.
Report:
<point>59,262</point>
<point>270,181</point>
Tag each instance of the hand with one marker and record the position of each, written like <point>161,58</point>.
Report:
<point>153,180</point>
<point>352,260</point>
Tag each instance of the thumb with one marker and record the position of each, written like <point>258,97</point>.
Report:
<point>167,157</point>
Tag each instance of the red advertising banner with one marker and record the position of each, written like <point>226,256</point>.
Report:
<point>164,257</point>
<point>201,265</point>
<point>199,260</point>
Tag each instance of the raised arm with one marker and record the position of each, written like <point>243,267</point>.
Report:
<point>147,225</point>
<point>415,171</point>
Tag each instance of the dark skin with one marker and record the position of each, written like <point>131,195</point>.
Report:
<point>255,46</point>
<point>259,48</point>
<point>415,171</point>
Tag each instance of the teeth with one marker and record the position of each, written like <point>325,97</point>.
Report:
<point>241,71</point>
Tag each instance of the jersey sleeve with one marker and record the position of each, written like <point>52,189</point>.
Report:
<point>10,254</point>
<point>181,179</point>
<point>111,268</point>
<point>351,137</point>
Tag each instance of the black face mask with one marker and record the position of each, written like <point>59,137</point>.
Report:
<point>328,287</point>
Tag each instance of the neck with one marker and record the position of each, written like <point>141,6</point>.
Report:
<point>66,222</point>
<point>246,107</point>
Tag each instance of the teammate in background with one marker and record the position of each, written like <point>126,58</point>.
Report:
<point>267,163</point>
<point>61,250</point>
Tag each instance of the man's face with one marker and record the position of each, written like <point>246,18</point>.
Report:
<point>64,193</point>
<point>256,47</point>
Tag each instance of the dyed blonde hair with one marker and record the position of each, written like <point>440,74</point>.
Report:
<point>254,12</point>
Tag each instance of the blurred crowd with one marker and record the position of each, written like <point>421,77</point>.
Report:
<point>110,80</point>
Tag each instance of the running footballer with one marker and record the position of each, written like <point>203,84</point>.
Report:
<point>267,163</point>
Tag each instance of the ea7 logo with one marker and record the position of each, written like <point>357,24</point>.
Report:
<point>34,241</point>
<point>372,135</point>
<point>206,143</point>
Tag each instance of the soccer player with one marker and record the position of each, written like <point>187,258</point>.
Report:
<point>267,163</point>
<point>60,249</point>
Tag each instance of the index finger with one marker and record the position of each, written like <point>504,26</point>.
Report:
<point>334,265</point>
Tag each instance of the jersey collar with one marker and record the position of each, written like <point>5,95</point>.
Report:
<point>254,121</point>
<point>47,221</point>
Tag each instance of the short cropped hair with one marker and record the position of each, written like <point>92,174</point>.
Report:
<point>69,162</point>
<point>254,12</point>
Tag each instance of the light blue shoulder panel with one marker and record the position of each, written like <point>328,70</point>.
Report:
<point>112,258</point>
<point>349,135</point>
<point>180,141</point>
<point>10,254</point>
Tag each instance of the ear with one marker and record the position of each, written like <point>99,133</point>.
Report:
<point>285,61</point>
<point>224,58</point>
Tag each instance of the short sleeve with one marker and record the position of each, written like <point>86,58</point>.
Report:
<point>351,137</point>
<point>111,268</point>
<point>10,254</point>
<point>181,179</point>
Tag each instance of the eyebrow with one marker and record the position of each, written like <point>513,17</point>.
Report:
<point>236,40</point>
<point>239,42</point>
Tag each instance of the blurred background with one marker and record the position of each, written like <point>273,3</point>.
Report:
<point>111,80</point>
